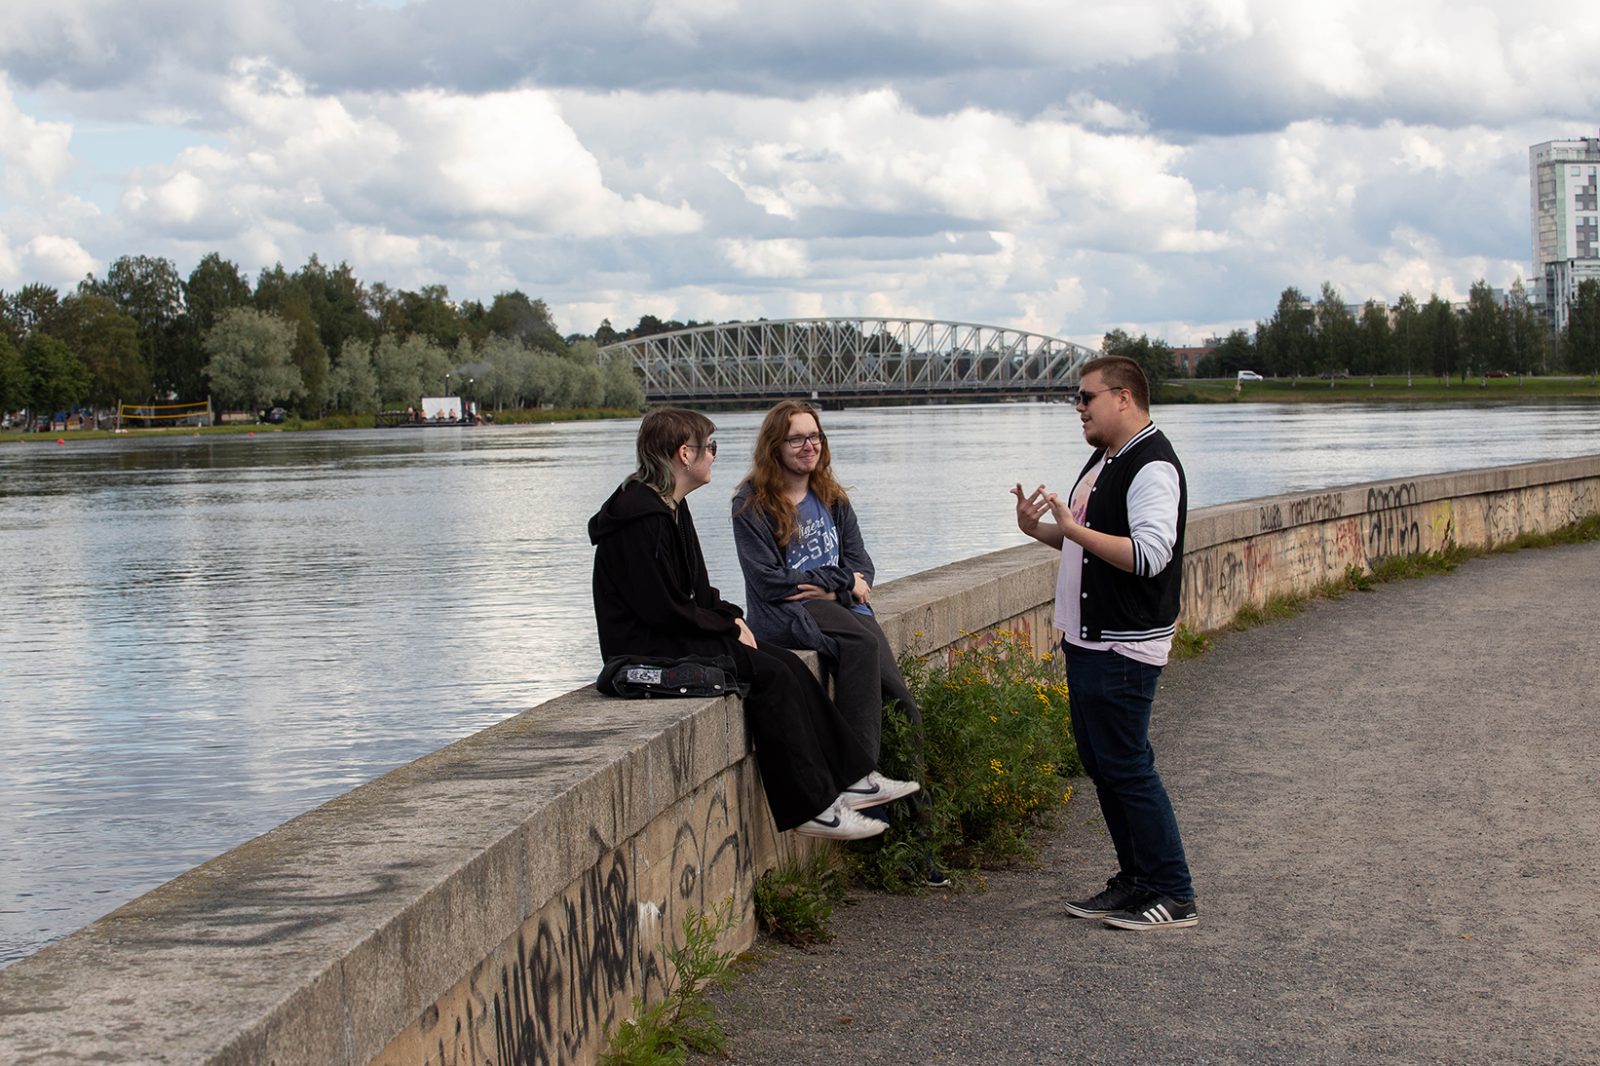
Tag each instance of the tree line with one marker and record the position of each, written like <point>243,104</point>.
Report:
<point>319,340</point>
<point>1325,338</point>
<point>316,340</point>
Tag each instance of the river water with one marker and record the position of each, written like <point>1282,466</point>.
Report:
<point>201,637</point>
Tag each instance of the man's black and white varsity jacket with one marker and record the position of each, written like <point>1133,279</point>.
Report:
<point>1142,605</point>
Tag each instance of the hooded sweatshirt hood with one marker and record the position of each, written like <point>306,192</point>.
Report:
<point>624,508</point>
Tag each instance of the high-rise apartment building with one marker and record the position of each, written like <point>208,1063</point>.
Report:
<point>1564,202</point>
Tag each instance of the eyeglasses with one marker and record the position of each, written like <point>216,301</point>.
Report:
<point>800,440</point>
<point>1083,398</point>
<point>710,446</point>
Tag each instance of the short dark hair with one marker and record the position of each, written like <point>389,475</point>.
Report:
<point>1120,372</point>
<point>661,433</point>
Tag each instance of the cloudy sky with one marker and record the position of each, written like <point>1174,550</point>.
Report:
<point>1165,166</point>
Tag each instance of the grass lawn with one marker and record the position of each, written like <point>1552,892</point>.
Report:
<point>1392,389</point>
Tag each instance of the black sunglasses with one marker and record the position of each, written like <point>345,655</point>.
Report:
<point>1084,398</point>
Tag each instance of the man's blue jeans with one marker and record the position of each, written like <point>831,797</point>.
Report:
<point>1110,696</point>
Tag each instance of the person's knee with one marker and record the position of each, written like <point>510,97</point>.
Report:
<point>1124,770</point>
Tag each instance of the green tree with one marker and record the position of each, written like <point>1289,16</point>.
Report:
<point>1409,337</point>
<point>16,386</point>
<point>388,315</point>
<point>1484,342</point>
<point>430,312</point>
<point>309,357</point>
<point>1376,344</point>
<point>275,287</point>
<point>514,315</point>
<point>27,309</point>
<point>337,301</point>
<point>1153,357</point>
<point>1582,337</point>
<point>250,359</point>
<point>1337,336</point>
<point>58,377</point>
<point>213,287</point>
<point>548,379</point>
<point>353,383</point>
<point>150,289</point>
<point>106,340</point>
<point>409,368</point>
<point>1443,334</point>
<point>622,385</point>
<point>1236,352</point>
<point>585,386</point>
<point>1527,338</point>
<point>1287,343</point>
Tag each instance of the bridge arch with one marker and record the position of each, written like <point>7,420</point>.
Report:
<point>851,360</point>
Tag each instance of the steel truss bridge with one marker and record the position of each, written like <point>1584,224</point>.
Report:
<point>850,360</point>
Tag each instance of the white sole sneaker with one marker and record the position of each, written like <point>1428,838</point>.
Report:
<point>875,789</point>
<point>839,822</point>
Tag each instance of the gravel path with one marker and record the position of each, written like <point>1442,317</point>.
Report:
<point>1390,805</point>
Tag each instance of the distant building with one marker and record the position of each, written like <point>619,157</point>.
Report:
<point>1564,205</point>
<point>1185,359</point>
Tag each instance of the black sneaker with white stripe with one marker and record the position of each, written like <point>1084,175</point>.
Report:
<point>1156,912</point>
<point>1117,896</point>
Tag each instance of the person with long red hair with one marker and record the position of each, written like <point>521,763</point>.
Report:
<point>808,581</point>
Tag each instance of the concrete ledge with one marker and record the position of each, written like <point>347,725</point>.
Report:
<point>503,900</point>
<point>1242,553</point>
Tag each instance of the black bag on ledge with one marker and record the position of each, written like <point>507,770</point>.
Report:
<point>641,676</point>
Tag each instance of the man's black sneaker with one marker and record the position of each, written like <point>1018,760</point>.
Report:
<point>937,878</point>
<point>1116,897</point>
<point>1157,912</point>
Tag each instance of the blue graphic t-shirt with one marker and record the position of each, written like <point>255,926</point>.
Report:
<point>816,540</point>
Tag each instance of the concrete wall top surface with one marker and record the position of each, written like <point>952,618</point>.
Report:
<point>398,884</point>
<point>1220,523</point>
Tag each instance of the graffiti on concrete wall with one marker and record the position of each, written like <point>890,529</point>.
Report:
<point>1214,584</point>
<point>1299,511</point>
<point>569,975</point>
<point>1392,520</point>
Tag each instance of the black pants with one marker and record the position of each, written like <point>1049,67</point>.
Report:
<point>806,750</point>
<point>866,674</point>
<point>865,677</point>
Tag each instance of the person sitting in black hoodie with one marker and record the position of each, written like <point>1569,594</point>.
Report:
<point>653,597</point>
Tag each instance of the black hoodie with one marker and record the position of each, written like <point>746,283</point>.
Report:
<point>651,592</point>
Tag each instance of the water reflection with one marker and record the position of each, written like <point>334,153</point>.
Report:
<point>202,637</point>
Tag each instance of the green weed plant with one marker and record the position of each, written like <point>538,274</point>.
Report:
<point>995,756</point>
<point>664,1033</point>
<point>795,901</point>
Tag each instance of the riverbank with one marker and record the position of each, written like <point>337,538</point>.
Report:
<point>1392,389</point>
<point>299,425</point>
<point>427,909</point>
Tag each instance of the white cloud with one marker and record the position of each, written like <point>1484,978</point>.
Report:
<point>10,266</point>
<point>1062,167</point>
<point>34,155</point>
<point>57,260</point>
<point>873,153</point>
<point>767,259</point>
<point>415,164</point>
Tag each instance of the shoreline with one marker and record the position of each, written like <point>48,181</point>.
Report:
<point>1390,388</point>
<point>295,425</point>
<point>1305,390</point>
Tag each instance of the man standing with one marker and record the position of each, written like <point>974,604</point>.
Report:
<point>1120,532</point>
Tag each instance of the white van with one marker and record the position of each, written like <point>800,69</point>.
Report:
<point>1250,375</point>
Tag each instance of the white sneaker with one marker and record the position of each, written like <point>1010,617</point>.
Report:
<point>839,822</point>
<point>874,789</point>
